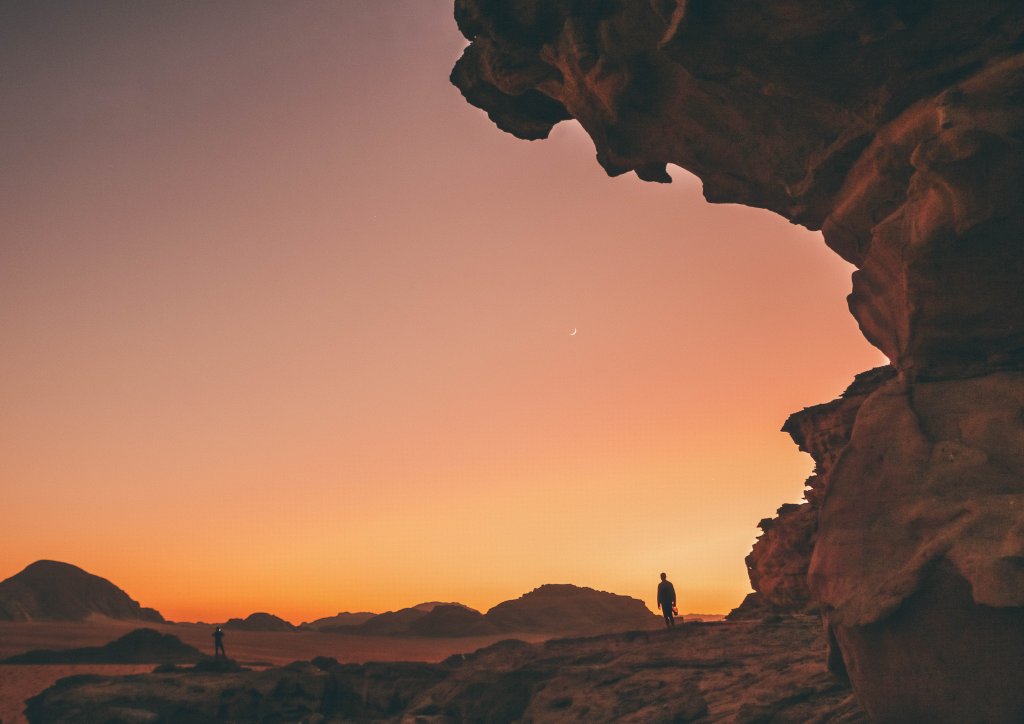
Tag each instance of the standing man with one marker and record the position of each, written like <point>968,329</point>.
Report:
<point>667,601</point>
<point>218,644</point>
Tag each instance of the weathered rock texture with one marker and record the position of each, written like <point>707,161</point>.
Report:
<point>781,556</point>
<point>897,128</point>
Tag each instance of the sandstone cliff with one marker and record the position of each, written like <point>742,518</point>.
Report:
<point>897,128</point>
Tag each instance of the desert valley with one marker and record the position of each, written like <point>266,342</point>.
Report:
<point>78,648</point>
<point>289,328</point>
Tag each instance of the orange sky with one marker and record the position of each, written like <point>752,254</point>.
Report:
<point>285,327</point>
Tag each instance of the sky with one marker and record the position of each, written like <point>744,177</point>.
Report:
<point>285,326</point>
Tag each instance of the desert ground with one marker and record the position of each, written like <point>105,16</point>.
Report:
<point>748,671</point>
<point>19,682</point>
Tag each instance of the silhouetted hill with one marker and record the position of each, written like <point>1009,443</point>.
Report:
<point>342,619</point>
<point>258,622</point>
<point>557,609</point>
<point>429,606</point>
<point>54,591</point>
<point>404,622</point>
<point>141,646</point>
<point>568,609</point>
<point>450,619</point>
<point>391,623</point>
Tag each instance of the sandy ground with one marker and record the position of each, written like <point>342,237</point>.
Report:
<point>18,683</point>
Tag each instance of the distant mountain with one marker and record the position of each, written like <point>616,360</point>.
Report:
<point>342,619</point>
<point>704,617</point>
<point>54,591</point>
<point>391,623</point>
<point>556,609</point>
<point>431,605</point>
<point>567,609</point>
<point>435,615</point>
<point>141,646</point>
<point>448,620</point>
<point>258,622</point>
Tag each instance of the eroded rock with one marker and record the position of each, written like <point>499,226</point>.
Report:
<point>780,559</point>
<point>897,128</point>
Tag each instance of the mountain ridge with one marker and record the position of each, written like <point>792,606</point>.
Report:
<point>51,590</point>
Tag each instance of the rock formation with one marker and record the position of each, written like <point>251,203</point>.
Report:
<point>897,128</point>
<point>553,609</point>
<point>781,556</point>
<point>452,619</point>
<point>564,609</point>
<point>54,591</point>
<point>141,646</point>
<point>389,623</point>
<point>340,620</point>
<point>258,622</point>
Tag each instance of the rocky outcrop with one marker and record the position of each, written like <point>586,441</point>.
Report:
<point>340,620</point>
<point>258,622</point>
<point>744,672</point>
<point>779,561</point>
<point>897,128</point>
<point>389,623</point>
<point>565,609</point>
<point>54,591</point>
<point>450,619</point>
<point>752,607</point>
<point>141,646</point>
<point>553,609</point>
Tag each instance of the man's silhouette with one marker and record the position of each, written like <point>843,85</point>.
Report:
<point>667,600</point>
<point>218,644</point>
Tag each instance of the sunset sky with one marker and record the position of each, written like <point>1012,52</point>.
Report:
<point>285,326</point>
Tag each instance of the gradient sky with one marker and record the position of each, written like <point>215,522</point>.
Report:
<point>285,326</point>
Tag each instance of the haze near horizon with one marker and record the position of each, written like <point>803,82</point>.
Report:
<point>286,327</point>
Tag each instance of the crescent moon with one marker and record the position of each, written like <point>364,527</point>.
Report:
<point>573,332</point>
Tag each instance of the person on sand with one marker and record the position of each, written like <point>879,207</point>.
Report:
<point>218,644</point>
<point>667,601</point>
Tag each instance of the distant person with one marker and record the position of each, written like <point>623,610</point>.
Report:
<point>667,601</point>
<point>218,643</point>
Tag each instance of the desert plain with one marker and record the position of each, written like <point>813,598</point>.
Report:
<point>258,649</point>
